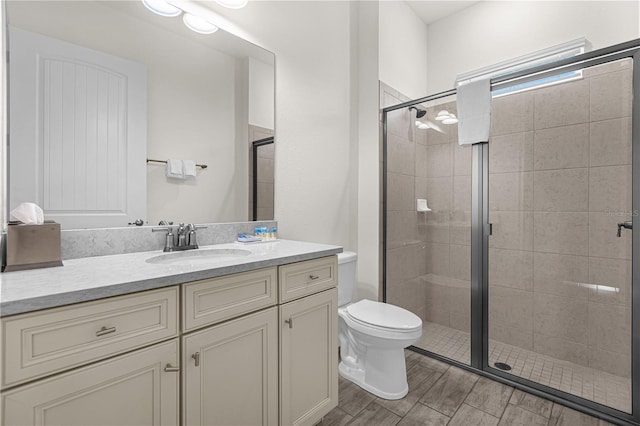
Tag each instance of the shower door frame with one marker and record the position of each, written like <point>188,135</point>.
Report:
<point>481,229</point>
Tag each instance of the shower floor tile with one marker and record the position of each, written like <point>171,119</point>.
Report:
<point>604,388</point>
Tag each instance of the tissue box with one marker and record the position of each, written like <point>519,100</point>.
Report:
<point>32,246</point>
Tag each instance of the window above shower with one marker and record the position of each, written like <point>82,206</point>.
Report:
<point>531,60</point>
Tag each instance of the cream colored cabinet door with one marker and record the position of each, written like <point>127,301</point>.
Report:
<point>308,358</point>
<point>231,372</point>
<point>132,389</point>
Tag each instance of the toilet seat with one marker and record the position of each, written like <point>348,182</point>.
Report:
<point>382,320</point>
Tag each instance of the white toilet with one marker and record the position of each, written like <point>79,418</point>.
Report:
<point>372,337</point>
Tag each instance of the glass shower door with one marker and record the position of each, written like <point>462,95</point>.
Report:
<point>560,184</point>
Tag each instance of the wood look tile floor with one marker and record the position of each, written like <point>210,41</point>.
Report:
<point>441,394</point>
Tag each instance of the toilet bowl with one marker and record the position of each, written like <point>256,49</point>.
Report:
<point>372,337</point>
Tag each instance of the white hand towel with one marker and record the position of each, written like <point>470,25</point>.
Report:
<point>174,169</point>
<point>474,112</point>
<point>189,169</point>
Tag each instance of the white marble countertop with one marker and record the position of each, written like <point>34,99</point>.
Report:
<point>92,278</point>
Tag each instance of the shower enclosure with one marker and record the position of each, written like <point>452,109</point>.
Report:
<point>521,268</point>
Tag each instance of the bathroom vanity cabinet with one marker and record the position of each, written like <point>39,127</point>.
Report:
<point>252,348</point>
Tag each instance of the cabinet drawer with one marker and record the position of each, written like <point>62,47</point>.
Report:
<point>218,299</point>
<point>41,343</point>
<point>308,277</point>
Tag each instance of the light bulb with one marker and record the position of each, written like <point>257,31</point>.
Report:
<point>442,115</point>
<point>233,4</point>
<point>162,8</point>
<point>198,24</point>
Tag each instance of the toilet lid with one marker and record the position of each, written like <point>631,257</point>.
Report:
<point>384,315</point>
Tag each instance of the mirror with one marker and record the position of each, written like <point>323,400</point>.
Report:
<point>117,85</point>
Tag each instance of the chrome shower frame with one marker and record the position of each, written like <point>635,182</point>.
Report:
<point>480,230</point>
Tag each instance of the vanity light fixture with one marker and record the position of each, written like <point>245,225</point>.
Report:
<point>446,117</point>
<point>452,119</point>
<point>193,22</point>
<point>162,8</point>
<point>233,4</point>
<point>198,24</point>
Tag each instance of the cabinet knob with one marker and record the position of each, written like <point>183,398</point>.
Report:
<point>196,358</point>
<point>105,330</point>
<point>313,277</point>
<point>290,322</point>
<point>171,369</point>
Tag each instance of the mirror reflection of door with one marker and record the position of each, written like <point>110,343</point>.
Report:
<point>261,173</point>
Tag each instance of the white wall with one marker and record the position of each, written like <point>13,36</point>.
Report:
<point>314,194</point>
<point>365,121</point>
<point>403,49</point>
<point>493,31</point>
<point>261,94</point>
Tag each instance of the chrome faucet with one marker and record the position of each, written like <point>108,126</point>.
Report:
<point>184,237</point>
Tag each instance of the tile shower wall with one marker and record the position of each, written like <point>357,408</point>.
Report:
<point>428,253</point>
<point>265,181</point>
<point>559,182</point>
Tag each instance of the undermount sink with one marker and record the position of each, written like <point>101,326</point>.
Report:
<point>198,257</point>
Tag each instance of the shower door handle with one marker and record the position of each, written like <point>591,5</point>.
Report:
<point>625,225</point>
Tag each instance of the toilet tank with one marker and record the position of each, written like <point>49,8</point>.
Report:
<point>346,276</point>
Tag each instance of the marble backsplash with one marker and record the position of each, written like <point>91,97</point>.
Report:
<point>77,243</point>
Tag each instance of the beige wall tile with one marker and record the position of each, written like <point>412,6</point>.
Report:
<point>511,268</point>
<point>511,230</point>
<point>438,195</point>
<point>460,298</point>
<point>420,188</point>
<point>558,232</point>
<point>610,362</point>
<point>561,275</point>
<point>512,114</point>
<point>610,327</point>
<point>399,124</point>
<point>511,307</point>
<point>610,142</point>
<point>611,95</point>
<point>561,348</point>
<point>460,321</point>
<point>265,195</point>
<point>460,231</point>
<point>437,256</point>
<point>614,275</point>
<point>610,189</point>
<point>511,153</point>
<point>265,169</point>
<point>511,191</point>
<point>402,228</point>
<point>562,105</point>
<point>461,193</point>
<point>512,336</point>
<point>561,190</point>
<point>437,233</point>
<point>404,263</point>
<point>561,317</point>
<point>435,137</point>
<point>608,67</point>
<point>420,161</point>
<point>602,237</point>
<point>462,160</point>
<point>439,160</point>
<point>561,147</point>
<point>460,262</point>
<point>400,155</point>
<point>437,315</point>
<point>437,296</point>
<point>400,192</point>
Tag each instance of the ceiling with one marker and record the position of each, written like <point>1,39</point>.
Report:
<point>431,10</point>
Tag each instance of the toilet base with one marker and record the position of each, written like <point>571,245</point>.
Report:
<point>356,376</point>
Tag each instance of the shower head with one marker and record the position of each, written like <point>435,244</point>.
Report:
<point>419,112</point>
